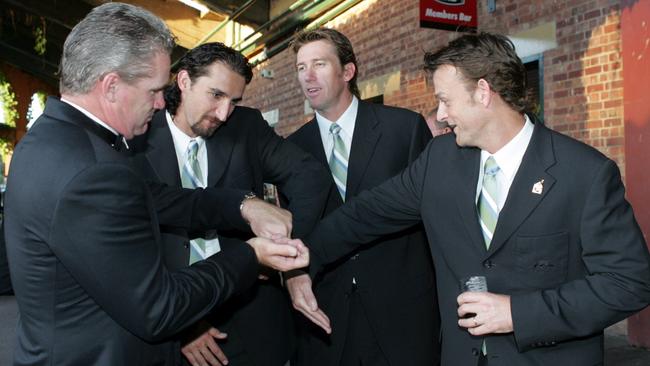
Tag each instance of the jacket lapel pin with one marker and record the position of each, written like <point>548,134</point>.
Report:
<point>538,187</point>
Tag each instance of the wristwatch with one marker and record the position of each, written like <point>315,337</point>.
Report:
<point>247,196</point>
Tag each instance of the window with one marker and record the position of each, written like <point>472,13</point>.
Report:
<point>36,107</point>
<point>8,103</point>
<point>2,108</point>
<point>535,81</point>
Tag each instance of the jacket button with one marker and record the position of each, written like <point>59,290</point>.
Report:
<point>488,264</point>
<point>354,257</point>
<point>475,351</point>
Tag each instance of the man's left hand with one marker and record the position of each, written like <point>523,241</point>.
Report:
<point>491,313</point>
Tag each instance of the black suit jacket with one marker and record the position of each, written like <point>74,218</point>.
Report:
<point>572,258</point>
<point>84,251</point>
<point>244,153</point>
<point>394,275</point>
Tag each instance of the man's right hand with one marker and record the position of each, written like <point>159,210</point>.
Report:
<point>303,299</point>
<point>266,220</point>
<point>282,254</point>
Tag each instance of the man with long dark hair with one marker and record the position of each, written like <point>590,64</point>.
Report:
<point>234,148</point>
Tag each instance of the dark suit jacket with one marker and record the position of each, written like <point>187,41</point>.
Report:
<point>572,258</point>
<point>244,153</point>
<point>84,251</point>
<point>394,275</point>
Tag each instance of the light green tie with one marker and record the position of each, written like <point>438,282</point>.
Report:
<point>339,160</point>
<point>191,177</point>
<point>488,209</point>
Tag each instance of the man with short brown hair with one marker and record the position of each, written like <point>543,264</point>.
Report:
<point>380,301</point>
<point>541,216</point>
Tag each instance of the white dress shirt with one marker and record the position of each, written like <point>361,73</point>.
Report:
<point>94,118</point>
<point>508,158</point>
<point>346,121</point>
<point>181,142</point>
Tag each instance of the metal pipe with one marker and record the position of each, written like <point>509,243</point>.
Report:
<point>297,21</point>
<point>232,17</point>
<point>269,23</point>
<point>329,15</point>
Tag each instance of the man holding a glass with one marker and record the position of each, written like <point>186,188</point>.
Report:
<point>540,216</point>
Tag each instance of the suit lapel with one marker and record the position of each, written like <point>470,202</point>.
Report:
<point>466,178</point>
<point>314,142</point>
<point>219,148</point>
<point>161,153</point>
<point>521,201</point>
<point>364,141</point>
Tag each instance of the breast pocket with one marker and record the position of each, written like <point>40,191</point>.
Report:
<point>542,260</point>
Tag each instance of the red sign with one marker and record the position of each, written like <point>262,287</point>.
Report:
<point>457,15</point>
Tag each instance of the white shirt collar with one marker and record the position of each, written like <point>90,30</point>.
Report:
<point>346,121</point>
<point>509,157</point>
<point>94,118</point>
<point>181,139</point>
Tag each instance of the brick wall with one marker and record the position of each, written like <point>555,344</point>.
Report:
<point>583,88</point>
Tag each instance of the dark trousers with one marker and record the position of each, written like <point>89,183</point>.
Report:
<point>361,347</point>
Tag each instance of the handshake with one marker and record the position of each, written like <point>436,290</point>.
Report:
<point>273,246</point>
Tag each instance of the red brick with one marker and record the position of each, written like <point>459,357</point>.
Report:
<point>593,70</point>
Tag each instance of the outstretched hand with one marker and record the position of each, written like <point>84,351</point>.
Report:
<point>203,348</point>
<point>281,254</point>
<point>303,299</point>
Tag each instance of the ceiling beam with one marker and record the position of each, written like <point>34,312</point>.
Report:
<point>254,16</point>
<point>63,13</point>
<point>30,63</point>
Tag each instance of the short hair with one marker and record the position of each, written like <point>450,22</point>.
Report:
<point>487,56</point>
<point>196,63</point>
<point>341,44</point>
<point>113,37</point>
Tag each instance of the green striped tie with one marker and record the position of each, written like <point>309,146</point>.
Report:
<point>488,209</point>
<point>191,177</point>
<point>339,160</point>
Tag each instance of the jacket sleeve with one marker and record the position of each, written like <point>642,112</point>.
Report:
<point>200,209</point>
<point>388,208</point>
<point>105,232</point>
<point>303,181</point>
